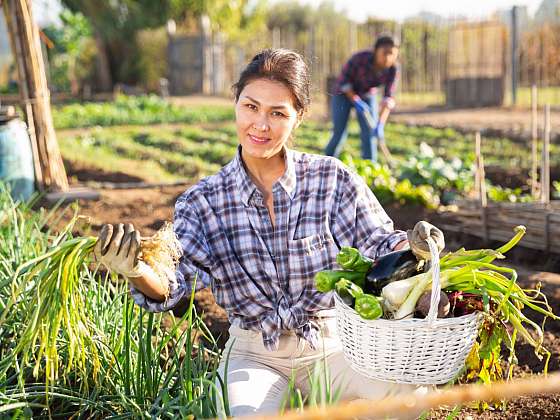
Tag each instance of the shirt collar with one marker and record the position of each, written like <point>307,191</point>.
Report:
<point>288,180</point>
<point>246,186</point>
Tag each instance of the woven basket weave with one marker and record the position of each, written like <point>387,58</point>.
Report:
<point>413,351</point>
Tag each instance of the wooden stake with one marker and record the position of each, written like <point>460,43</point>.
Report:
<point>412,405</point>
<point>481,184</point>
<point>545,169</point>
<point>534,142</point>
<point>34,92</point>
<point>15,42</point>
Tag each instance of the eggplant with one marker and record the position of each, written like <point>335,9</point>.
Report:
<point>394,266</point>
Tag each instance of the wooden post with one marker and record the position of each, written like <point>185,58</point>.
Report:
<point>514,52</point>
<point>480,181</point>
<point>545,169</point>
<point>34,92</point>
<point>534,143</point>
<point>26,105</point>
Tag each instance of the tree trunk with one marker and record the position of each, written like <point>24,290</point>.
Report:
<point>104,79</point>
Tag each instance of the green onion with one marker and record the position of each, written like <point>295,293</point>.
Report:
<point>56,309</point>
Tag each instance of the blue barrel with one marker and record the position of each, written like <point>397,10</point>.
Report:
<point>16,159</point>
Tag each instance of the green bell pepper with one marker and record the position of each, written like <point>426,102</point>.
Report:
<point>367,306</point>
<point>351,259</point>
<point>326,280</point>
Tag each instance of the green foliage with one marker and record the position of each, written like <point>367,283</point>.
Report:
<point>135,110</point>
<point>152,58</point>
<point>144,367</point>
<point>72,57</point>
<point>118,19</point>
<point>322,391</point>
<point>237,20</point>
<point>504,194</point>
<point>389,189</point>
<point>426,168</point>
<point>291,16</point>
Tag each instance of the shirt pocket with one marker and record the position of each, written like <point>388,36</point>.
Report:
<point>309,255</point>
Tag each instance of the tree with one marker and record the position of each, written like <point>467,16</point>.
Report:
<point>72,57</point>
<point>116,22</point>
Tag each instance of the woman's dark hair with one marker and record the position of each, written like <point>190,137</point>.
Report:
<point>281,65</point>
<point>385,41</point>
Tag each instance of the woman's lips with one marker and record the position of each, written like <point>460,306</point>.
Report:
<point>258,140</point>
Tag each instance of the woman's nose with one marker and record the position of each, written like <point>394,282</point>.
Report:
<point>261,123</point>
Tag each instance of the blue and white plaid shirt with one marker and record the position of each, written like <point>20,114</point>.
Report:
<point>263,275</point>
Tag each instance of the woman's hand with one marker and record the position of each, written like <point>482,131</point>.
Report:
<point>118,247</point>
<point>417,239</point>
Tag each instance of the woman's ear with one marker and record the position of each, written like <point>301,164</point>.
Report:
<point>299,120</point>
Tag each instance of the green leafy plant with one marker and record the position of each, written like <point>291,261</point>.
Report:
<point>73,344</point>
<point>135,110</point>
<point>426,168</point>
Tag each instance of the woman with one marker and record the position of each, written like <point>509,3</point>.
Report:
<point>356,87</point>
<point>257,232</point>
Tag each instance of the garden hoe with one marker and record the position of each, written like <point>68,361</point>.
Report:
<point>382,144</point>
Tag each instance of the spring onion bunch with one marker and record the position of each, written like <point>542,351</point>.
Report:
<point>51,289</point>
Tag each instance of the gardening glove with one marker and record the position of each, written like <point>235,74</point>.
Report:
<point>379,131</point>
<point>118,247</point>
<point>417,239</point>
<point>360,105</point>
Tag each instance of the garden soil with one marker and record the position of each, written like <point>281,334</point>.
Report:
<point>149,208</point>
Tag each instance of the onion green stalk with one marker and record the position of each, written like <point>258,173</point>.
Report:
<point>56,310</point>
<point>52,288</point>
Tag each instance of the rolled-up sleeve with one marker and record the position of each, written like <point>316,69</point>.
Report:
<point>194,264</point>
<point>362,217</point>
<point>390,87</point>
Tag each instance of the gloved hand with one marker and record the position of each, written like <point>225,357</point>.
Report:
<point>379,131</point>
<point>118,247</point>
<point>360,105</point>
<point>417,239</point>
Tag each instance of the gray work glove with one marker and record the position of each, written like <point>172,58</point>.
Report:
<point>118,247</point>
<point>417,239</point>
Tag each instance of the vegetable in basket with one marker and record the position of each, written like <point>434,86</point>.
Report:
<point>388,268</point>
<point>326,280</point>
<point>486,287</point>
<point>366,305</point>
<point>345,294</point>
<point>423,305</point>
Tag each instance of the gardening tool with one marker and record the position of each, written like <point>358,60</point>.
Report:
<point>382,145</point>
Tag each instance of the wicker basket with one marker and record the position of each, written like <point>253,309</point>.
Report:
<point>413,351</point>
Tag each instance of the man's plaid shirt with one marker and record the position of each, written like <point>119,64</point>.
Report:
<point>263,275</point>
<point>360,75</point>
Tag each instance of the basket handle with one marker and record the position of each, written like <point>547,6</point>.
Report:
<point>436,284</point>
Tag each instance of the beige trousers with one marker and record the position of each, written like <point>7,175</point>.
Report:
<point>257,379</point>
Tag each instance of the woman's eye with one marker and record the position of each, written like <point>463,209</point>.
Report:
<point>251,106</point>
<point>278,114</point>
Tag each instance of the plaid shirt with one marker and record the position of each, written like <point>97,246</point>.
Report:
<point>263,275</point>
<point>359,75</point>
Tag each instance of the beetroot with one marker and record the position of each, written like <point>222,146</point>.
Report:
<point>464,303</point>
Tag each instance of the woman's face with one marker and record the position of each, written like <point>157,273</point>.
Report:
<point>265,117</point>
<point>386,56</point>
